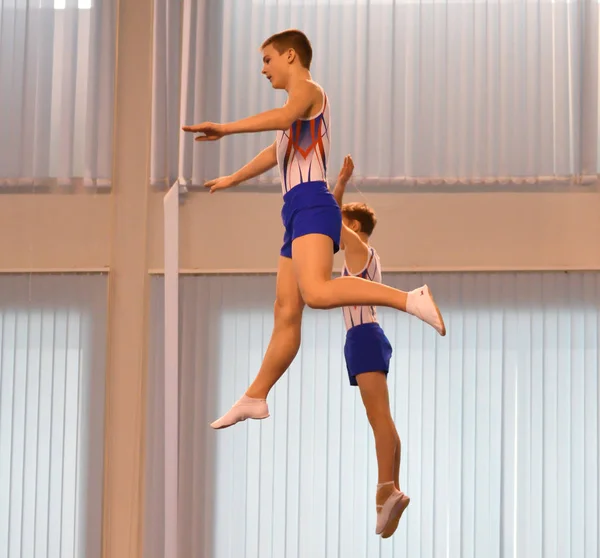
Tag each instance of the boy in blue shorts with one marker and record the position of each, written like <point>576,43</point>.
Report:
<point>368,353</point>
<point>311,216</point>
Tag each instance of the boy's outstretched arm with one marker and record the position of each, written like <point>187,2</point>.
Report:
<point>342,180</point>
<point>350,241</point>
<point>263,162</point>
<point>300,100</point>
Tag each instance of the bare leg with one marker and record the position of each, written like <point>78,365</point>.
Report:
<point>397,458</point>
<point>282,349</point>
<point>313,263</point>
<point>391,502</point>
<point>374,393</point>
<point>285,339</point>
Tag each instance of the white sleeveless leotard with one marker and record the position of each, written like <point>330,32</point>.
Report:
<point>303,150</point>
<point>358,315</point>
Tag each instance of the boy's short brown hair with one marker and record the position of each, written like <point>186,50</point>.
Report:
<point>292,38</point>
<point>362,213</point>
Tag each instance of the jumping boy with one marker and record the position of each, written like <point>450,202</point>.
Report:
<point>368,352</point>
<point>311,216</point>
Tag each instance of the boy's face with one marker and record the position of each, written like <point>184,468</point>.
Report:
<point>275,67</point>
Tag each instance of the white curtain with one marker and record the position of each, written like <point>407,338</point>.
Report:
<point>52,368</point>
<point>57,64</point>
<point>499,423</point>
<point>472,92</point>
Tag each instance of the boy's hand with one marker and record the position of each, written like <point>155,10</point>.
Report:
<point>220,183</point>
<point>346,170</point>
<point>211,130</point>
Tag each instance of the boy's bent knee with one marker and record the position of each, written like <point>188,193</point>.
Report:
<point>315,296</point>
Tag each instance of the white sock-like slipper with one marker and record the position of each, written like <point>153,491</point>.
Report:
<point>420,303</point>
<point>389,514</point>
<point>245,408</point>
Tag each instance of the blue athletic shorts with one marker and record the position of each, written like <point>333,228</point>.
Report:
<point>367,349</point>
<point>310,208</point>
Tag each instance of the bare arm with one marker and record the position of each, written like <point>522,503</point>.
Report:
<point>300,101</point>
<point>263,162</point>
<point>340,189</point>
<point>356,250</point>
<point>342,180</point>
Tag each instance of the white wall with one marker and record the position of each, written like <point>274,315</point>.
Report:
<point>499,423</point>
